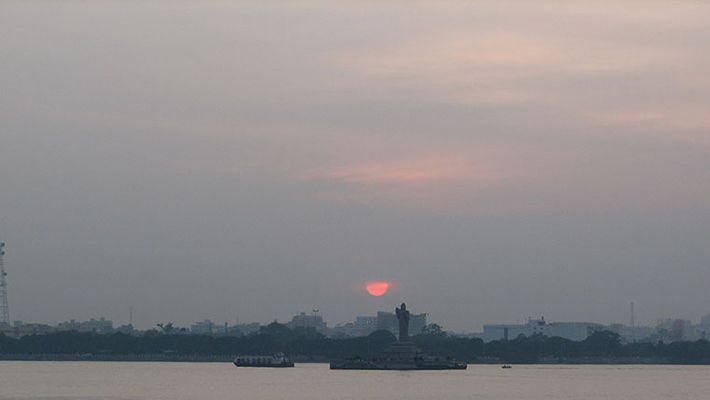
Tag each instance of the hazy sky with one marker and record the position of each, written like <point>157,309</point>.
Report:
<point>228,160</point>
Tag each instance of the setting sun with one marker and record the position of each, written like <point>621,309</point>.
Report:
<point>377,288</point>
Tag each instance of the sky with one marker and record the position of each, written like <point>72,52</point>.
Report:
<point>247,161</point>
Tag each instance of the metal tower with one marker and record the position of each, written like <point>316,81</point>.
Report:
<point>633,324</point>
<point>4,308</point>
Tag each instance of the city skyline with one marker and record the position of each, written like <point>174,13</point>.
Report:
<point>665,330</point>
<point>631,321</point>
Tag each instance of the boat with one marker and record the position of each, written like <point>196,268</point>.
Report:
<point>424,363</point>
<point>402,356</point>
<point>278,360</point>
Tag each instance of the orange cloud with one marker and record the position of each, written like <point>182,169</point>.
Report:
<point>421,171</point>
<point>427,181</point>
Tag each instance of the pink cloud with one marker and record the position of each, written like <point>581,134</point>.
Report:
<point>410,172</point>
<point>435,182</point>
<point>620,68</point>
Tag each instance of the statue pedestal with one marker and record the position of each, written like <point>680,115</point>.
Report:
<point>403,349</point>
<point>402,354</point>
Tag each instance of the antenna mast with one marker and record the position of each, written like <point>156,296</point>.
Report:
<point>633,323</point>
<point>4,308</point>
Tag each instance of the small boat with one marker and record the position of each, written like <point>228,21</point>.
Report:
<point>278,360</point>
<point>507,366</point>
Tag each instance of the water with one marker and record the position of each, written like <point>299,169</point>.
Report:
<point>106,380</point>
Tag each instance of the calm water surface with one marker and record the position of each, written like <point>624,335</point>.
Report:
<point>106,380</point>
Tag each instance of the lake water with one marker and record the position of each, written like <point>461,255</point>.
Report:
<point>171,381</point>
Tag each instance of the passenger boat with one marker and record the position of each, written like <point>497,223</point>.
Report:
<point>402,356</point>
<point>278,360</point>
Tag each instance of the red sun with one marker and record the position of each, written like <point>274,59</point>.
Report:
<point>377,288</point>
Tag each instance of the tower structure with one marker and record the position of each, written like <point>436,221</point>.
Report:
<point>4,308</point>
<point>633,324</point>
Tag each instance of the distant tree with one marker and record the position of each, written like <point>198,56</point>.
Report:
<point>167,329</point>
<point>275,329</point>
<point>602,343</point>
<point>307,333</point>
<point>433,330</point>
<point>277,337</point>
<point>151,332</point>
<point>688,352</point>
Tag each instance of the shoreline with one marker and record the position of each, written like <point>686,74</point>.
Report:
<point>228,358</point>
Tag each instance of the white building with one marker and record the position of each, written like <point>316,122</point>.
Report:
<point>100,325</point>
<point>308,321</point>
<point>365,325</point>
<point>205,327</point>
<point>676,330</point>
<point>576,331</point>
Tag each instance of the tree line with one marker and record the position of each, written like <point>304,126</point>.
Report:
<point>307,343</point>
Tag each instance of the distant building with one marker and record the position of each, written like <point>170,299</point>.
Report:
<point>71,325</point>
<point>126,329</point>
<point>576,331</point>
<point>676,330</point>
<point>33,329</point>
<point>417,322</point>
<point>6,329</point>
<point>503,332</point>
<point>343,330</point>
<point>705,321</point>
<point>20,329</point>
<point>364,325</point>
<point>247,329</point>
<point>387,321</point>
<point>100,325</point>
<point>222,329</point>
<point>632,334</point>
<point>704,327</point>
<point>307,321</point>
<point>641,334</point>
<point>680,329</point>
<point>205,327</point>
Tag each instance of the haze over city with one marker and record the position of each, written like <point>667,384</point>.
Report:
<point>491,162</point>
